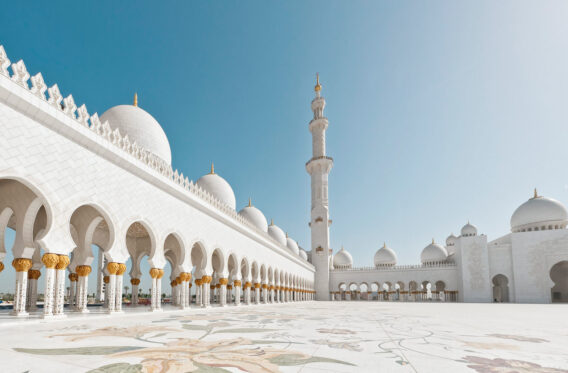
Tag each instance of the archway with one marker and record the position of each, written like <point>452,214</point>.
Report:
<point>559,275</point>
<point>500,289</point>
<point>199,263</point>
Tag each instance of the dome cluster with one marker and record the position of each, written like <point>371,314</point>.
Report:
<point>142,128</point>
<point>433,253</point>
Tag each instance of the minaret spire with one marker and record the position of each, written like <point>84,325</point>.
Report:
<point>319,167</point>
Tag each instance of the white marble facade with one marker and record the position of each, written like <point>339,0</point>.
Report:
<point>70,180</point>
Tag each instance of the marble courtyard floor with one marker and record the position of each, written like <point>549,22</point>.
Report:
<point>297,337</point>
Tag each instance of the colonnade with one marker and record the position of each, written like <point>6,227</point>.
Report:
<point>208,291</point>
<point>396,296</point>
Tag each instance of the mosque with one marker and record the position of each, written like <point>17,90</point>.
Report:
<point>71,181</point>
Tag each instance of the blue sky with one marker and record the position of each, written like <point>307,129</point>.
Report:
<point>440,112</point>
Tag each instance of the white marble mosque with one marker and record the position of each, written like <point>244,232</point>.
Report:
<point>63,173</point>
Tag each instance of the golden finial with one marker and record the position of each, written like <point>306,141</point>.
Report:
<point>250,203</point>
<point>384,244</point>
<point>433,240</point>
<point>286,234</point>
<point>271,221</point>
<point>317,88</point>
<point>135,99</point>
<point>535,193</point>
<point>212,169</point>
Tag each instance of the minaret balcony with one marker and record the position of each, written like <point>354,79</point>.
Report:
<point>318,122</point>
<point>323,163</point>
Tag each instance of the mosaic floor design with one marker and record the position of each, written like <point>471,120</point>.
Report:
<point>300,337</point>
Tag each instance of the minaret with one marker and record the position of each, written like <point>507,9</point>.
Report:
<point>318,167</point>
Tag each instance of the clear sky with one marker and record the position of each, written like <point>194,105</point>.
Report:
<point>440,112</point>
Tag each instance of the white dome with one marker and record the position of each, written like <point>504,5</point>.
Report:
<point>539,213</point>
<point>292,245</point>
<point>342,259</point>
<point>451,240</point>
<point>469,230</point>
<point>278,234</point>
<point>303,254</point>
<point>433,253</point>
<point>255,216</point>
<point>218,187</point>
<point>141,128</point>
<point>385,256</point>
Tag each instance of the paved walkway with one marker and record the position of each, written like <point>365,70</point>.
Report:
<point>297,337</point>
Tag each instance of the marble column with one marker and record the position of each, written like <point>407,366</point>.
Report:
<point>73,277</point>
<point>33,275</point>
<point>237,285</point>
<point>112,269</point>
<point>60,268</point>
<point>247,292</point>
<point>173,285</point>
<point>22,265</point>
<point>135,282</point>
<point>100,276</point>
<point>118,287</point>
<point>257,292</point>
<point>205,289</point>
<point>82,288</point>
<point>229,298</point>
<point>50,261</point>
<point>188,299</point>
<point>155,302</point>
<point>159,289</point>
<point>198,296</point>
<point>106,280</point>
<point>223,291</point>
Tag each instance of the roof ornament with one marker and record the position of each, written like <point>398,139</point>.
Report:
<point>271,221</point>
<point>250,202</point>
<point>135,99</point>
<point>212,169</point>
<point>535,193</point>
<point>384,244</point>
<point>317,88</point>
<point>433,240</point>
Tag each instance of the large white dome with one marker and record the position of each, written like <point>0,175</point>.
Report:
<point>275,232</point>
<point>141,128</point>
<point>539,213</point>
<point>469,230</point>
<point>218,187</point>
<point>433,253</point>
<point>292,245</point>
<point>384,257</point>
<point>255,216</point>
<point>303,254</point>
<point>342,259</point>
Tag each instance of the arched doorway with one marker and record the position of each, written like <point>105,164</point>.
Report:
<point>500,289</point>
<point>559,274</point>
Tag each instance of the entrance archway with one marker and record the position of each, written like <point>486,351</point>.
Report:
<point>500,289</point>
<point>559,274</point>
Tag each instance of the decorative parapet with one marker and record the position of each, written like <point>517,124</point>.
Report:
<point>80,115</point>
<point>397,268</point>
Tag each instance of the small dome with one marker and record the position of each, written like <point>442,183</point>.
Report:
<point>451,240</point>
<point>384,257</point>
<point>255,216</point>
<point>342,259</point>
<point>218,187</point>
<point>303,254</point>
<point>278,234</point>
<point>539,213</point>
<point>469,230</point>
<point>433,253</point>
<point>141,128</point>
<point>292,245</point>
